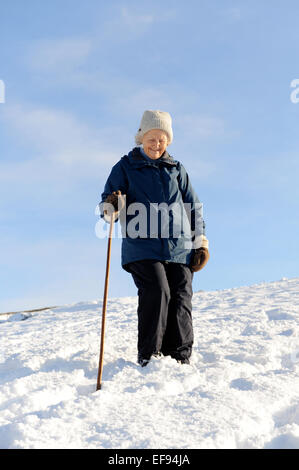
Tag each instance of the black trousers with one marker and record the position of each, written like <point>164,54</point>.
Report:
<point>164,308</point>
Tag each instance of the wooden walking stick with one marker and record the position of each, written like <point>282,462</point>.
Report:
<point>99,381</point>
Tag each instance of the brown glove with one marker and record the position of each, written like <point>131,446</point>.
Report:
<point>114,203</point>
<point>199,259</point>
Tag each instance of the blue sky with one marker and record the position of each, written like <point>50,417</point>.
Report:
<point>78,76</point>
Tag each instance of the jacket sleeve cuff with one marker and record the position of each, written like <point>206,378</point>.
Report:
<point>201,241</point>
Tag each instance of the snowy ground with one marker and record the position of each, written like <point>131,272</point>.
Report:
<point>240,391</point>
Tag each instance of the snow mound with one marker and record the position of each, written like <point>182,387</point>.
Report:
<point>240,390</point>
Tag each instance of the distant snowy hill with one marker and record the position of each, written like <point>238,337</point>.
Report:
<point>240,391</point>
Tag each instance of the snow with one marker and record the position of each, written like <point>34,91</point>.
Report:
<point>240,390</point>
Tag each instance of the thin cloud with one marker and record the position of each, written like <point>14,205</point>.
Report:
<point>131,22</point>
<point>58,141</point>
<point>233,14</point>
<point>50,263</point>
<point>58,54</point>
<point>201,126</point>
<point>131,18</point>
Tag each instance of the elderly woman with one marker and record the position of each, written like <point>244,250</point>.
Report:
<point>164,244</point>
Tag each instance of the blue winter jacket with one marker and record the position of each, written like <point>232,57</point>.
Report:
<point>152,183</point>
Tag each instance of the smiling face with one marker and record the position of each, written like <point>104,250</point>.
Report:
<point>154,143</point>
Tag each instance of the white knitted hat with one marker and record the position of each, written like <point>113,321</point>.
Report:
<point>154,120</point>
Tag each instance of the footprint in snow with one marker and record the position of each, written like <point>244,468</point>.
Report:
<point>241,384</point>
<point>278,314</point>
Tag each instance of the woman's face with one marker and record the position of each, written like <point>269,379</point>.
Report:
<point>154,143</point>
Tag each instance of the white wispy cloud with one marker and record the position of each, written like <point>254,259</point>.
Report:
<point>234,13</point>
<point>201,126</point>
<point>59,269</point>
<point>130,18</point>
<point>58,53</point>
<point>58,142</point>
<point>86,62</point>
<point>131,21</point>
